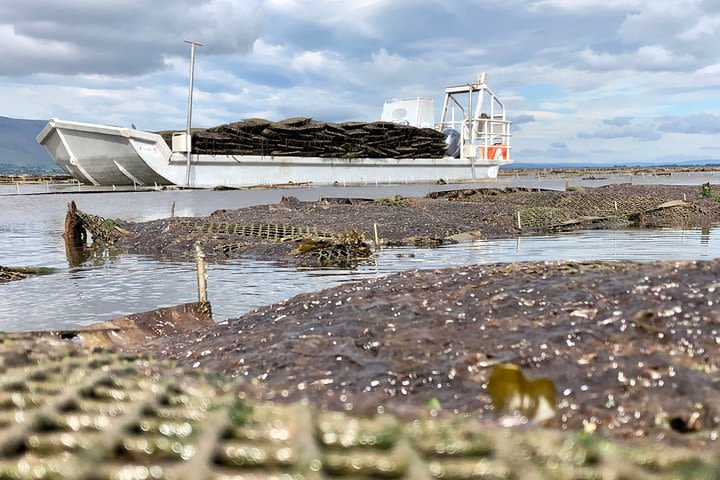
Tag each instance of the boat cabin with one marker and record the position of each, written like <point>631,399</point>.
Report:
<point>475,117</point>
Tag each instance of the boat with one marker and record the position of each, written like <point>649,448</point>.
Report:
<point>473,121</point>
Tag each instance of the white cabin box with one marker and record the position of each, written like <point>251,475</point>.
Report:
<point>416,112</point>
<point>181,142</point>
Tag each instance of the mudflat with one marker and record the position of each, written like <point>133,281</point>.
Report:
<point>347,226</point>
<point>633,349</point>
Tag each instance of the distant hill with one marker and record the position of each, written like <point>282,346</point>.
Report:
<point>17,142</point>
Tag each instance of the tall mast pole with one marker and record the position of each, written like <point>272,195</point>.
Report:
<point>193,44</point>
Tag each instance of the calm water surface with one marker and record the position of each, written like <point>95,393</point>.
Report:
<point>104,288</point>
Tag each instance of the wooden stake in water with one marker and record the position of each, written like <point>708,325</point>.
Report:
<point>616,205</point>
<point>377,237</point>
<point>17,188</point>
<point>172,210</point>
<point>201,273</point>
<point>518,220</point>
<point>685,197</point>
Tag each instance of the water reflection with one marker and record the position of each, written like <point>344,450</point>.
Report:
<point>106,285</point>
<point>99,285</point>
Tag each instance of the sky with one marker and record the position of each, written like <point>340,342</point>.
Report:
<point>584,81</point>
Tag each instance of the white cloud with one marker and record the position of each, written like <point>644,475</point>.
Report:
<point>118,37</point>
<point>584,5</point>
<point>579,68</point>
<point>647,57</point>
<point>317,61</point>
<point>637,132</point>
<point>268,52</point>
<point>706,28</point>
<point>698,123</point>
<point>356,15</point>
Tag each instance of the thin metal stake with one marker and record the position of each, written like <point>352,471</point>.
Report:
<point>201,273</point>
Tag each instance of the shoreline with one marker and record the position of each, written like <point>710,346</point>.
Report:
<point>34,178</point>
<point>620,170</point>
<point>341,231</point>
<point>593,173</point>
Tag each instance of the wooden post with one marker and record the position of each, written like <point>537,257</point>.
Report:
<point>172,210</point>
<point>377,238</point>
<point>518,220</point>
<point>201,273</point>
<point>75,233</point>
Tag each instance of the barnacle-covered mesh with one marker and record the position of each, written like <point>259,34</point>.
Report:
<point>550,209</point>
<point>72,413</point>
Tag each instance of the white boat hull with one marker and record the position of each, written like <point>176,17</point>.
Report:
<point>105,155</point>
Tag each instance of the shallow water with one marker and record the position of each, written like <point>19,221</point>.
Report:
<point>31,228</point>
<point>131,283</point>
